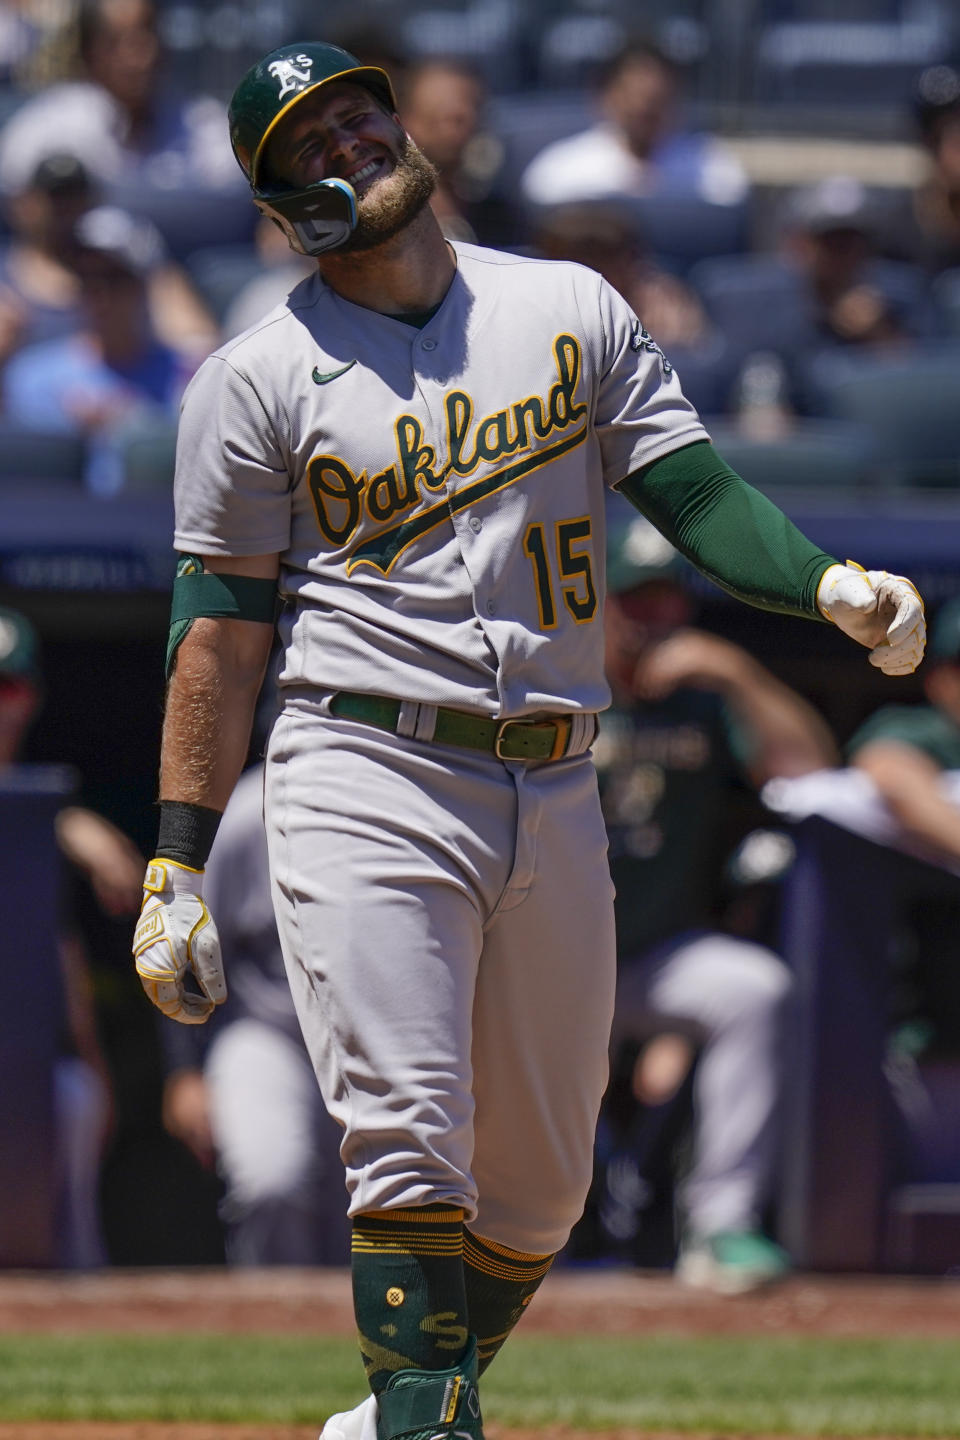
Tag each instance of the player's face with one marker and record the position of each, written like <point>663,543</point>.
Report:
<point>340,132</point>
<point>335,132</point>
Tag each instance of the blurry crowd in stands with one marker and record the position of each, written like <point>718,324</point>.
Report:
<point>828,312</point>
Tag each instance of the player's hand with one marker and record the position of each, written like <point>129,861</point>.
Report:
<point>185,1113</point>
<point>687,657</point>
<point>882,611</point>
<point>174,934</point>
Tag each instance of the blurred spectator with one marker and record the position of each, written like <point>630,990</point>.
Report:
<point>241,1090</point>
<point>19,37</point>
<point>926,228</point>
<point>905,749</point>
<point>442,104</point>
<point>99,856</point>
<point>363,33</point>
<point>602,235</point>
<point>118,119</point>
<point>39,288</point>
<point>114,374</point>
<point>280,270</point>
<point>826,292</point>
<point>27,31</point>
<point>635,148</point>
<point>831,235</point>
<point>693,717</point>
<point>911,754</point>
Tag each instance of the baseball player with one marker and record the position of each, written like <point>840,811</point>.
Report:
<point>247,1097</point>
<point>413,451</point>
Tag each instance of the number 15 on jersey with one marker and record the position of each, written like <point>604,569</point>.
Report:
<point>569,560</point>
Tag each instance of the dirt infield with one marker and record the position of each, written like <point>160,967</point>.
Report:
<point>144,1431</point>
<point>307,1302</point>
<point>622,1302</point>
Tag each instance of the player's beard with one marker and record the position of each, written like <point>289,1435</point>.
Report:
<point>391,204</point>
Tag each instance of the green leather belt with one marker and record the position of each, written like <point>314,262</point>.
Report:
<point>507,739</point>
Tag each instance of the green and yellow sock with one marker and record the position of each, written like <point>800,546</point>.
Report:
<point>500,1283</point>
<point>408,1290</point>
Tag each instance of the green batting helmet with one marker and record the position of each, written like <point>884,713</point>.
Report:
<point>320,216</point>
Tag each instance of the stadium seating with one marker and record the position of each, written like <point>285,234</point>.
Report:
<point>192,220</point>
<point>910,402</point>
<point>825,454</point>
<point>760,302</point>
<point>681,230</point>
<point>220,272</point>
<point>30,457</point>
<point>841,62</point>
<point>487,33</point>
<point>945,292</point>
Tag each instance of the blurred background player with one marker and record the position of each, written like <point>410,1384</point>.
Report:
<point>911,755</point>
<point>241,1092</point>
<point>100,859</point>
<point>693,717</point>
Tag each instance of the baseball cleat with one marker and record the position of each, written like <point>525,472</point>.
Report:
<point>732,1262</point>
<point>360,1423</point>
<point>433,1404</point>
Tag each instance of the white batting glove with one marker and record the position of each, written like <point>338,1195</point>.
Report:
<point>174,934</point>
<point>882,611</point>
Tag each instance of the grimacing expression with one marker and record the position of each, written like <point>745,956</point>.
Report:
<point>341,132</point>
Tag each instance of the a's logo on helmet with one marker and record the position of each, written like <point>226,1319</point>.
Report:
<point>289,77</point>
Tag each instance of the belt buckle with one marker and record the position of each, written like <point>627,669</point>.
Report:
<point>498,738</point>
<point>562,726</point>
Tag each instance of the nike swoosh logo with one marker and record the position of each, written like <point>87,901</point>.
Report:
<point>319,378</point>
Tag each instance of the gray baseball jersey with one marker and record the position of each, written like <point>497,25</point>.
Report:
<point>434,492</point>
<point>437,497</point>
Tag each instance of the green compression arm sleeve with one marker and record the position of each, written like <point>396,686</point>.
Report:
<point>733,534</point>
<point>197,592</point>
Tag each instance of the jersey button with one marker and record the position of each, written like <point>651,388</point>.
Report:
<point>476,524</point>
<point>491,608</point>
<point>429,344</point>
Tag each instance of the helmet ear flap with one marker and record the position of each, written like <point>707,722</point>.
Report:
<point>316,219</point>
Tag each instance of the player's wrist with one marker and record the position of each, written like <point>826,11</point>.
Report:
<point>187,833</point>
<point>825,585</point>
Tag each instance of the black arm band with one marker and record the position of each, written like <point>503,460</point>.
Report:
<point>186,833</point>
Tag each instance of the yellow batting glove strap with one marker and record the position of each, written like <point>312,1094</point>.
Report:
<point>155,879</point>
<point>169,875</point>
